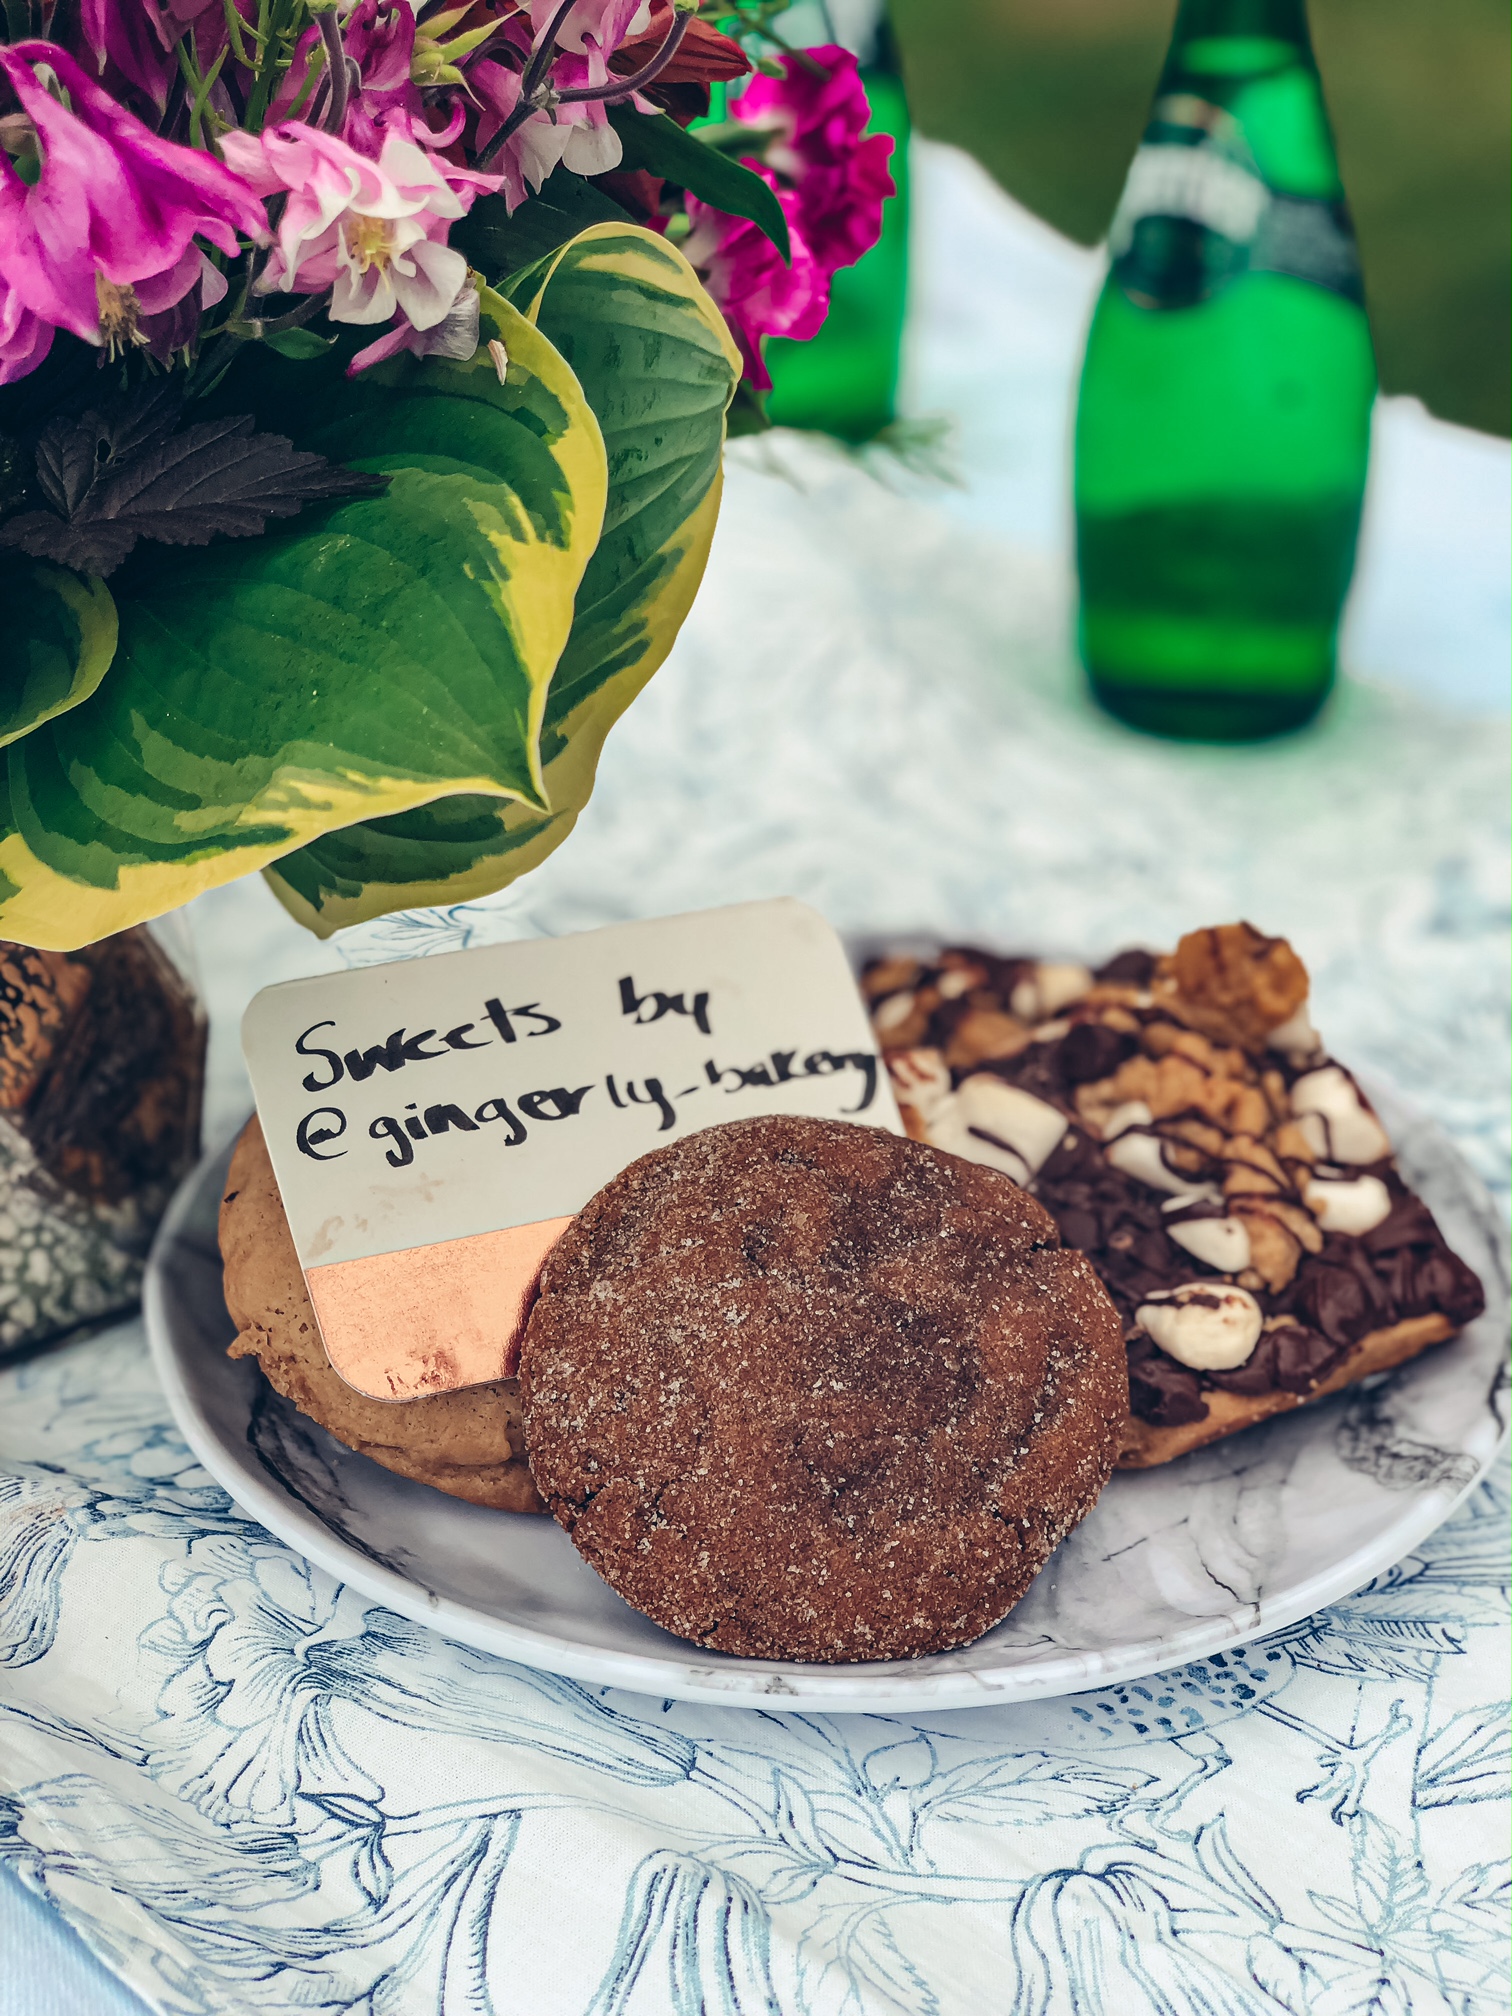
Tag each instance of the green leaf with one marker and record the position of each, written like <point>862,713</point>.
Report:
<point>657,364</point>
<point>298,343</point>
<point>660,146</point>
<point>377,656</point>
<point>499,244</point>
<point>59,637</point>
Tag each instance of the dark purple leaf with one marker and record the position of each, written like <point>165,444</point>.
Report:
<point>115,477</point>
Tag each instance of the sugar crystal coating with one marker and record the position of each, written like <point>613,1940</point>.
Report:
<point>804,1390</point>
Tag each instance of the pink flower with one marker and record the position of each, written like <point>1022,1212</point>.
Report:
<point>170,304</point>
<point>134,36</point>
<point>372,231</point>
<point>379,37</point>
<point>756,293</point>
<point>25,339</point>
<point>817,121</point>
<point>112,217</point>
<point>134,40</point>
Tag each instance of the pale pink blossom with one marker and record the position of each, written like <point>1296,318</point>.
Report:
<point>455,336</point>
<point>372,231</point>
<point>578,136</point>
<point>592,24</point>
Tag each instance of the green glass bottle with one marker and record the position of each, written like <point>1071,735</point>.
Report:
<point>1223,427</point>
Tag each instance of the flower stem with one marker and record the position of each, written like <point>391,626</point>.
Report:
<point>272,25</point>
<point>625,87</point>
<point>540,62</point>
<point>535,71</point>
<point>235,28</point>
<point>620,88</point>
<point>202,98</point>
<point>341,83</point>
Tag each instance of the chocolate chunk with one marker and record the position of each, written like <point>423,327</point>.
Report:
<point>1134,968</point>
<point>1408,1223</point>
<point>1036,1070</point>
<point>1303,1357</point>
<point>1160,1391</point>
<point>1338,1294</point>
<point>1256,1375</point>
<point>1078,1227</point>
<point>1292,1358</point>
<point>1438,1280</point>
<point>1092,1050</point>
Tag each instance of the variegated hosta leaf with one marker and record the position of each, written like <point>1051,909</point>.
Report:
<point>370,659</point>
<point>57,638</point>
<point>656,362</point>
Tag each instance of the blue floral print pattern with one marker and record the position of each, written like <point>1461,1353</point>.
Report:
<point>275,1795</point>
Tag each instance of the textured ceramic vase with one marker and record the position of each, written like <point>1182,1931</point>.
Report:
<point>102,1062</point>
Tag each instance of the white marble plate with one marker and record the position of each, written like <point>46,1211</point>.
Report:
<point>1173,1564</point>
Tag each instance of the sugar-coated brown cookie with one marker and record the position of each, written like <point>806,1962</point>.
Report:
<point>469,1444</point>
<point>806,1390</point>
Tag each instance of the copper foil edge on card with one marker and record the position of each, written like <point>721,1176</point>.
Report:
<point>406,1325</point>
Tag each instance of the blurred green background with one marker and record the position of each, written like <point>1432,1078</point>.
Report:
<point>1051,96</point>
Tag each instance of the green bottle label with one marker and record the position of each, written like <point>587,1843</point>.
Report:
<point>1196,213</point>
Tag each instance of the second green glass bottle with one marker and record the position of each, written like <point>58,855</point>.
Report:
<point>1224,421</point>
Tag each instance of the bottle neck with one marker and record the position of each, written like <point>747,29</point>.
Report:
<point>1285,19</point>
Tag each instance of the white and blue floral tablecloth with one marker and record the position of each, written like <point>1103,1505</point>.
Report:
<point>253,1791</point>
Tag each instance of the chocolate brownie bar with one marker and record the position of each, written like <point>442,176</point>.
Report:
<point>1182,1123</point>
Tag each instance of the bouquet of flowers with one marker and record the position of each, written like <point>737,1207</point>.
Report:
<point>364,373</point>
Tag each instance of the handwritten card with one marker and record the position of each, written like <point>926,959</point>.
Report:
<point>435,1124</point>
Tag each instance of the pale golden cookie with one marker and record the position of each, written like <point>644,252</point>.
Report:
<point>469,1444</point>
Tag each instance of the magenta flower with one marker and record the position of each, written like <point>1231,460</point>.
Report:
<point>133,40</point>
<point>111,218</point>
<point>372,231</point>
<point>838,178</point>
<point>135,36</point>
<point>379,37</point>
<point>756,293</point>
<point>25,339</point>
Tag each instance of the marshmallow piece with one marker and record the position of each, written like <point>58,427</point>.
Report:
<point>1139,1156</point>
<point>1061,983</point>
<point>1295,1038</point>
<point>1223,1243</point>
<point>1352,1204</point>
<point>893,1012</point>
<point>1054,984</point>
<point>1336,1120</point>
<point>1133,1113</point>
<point>1204,1324</point>
<point>1209,1193</point>
<point>920,1079</point>
<point>948,1130</point>
<point>956,981</point>
<point>1031,1128</point>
